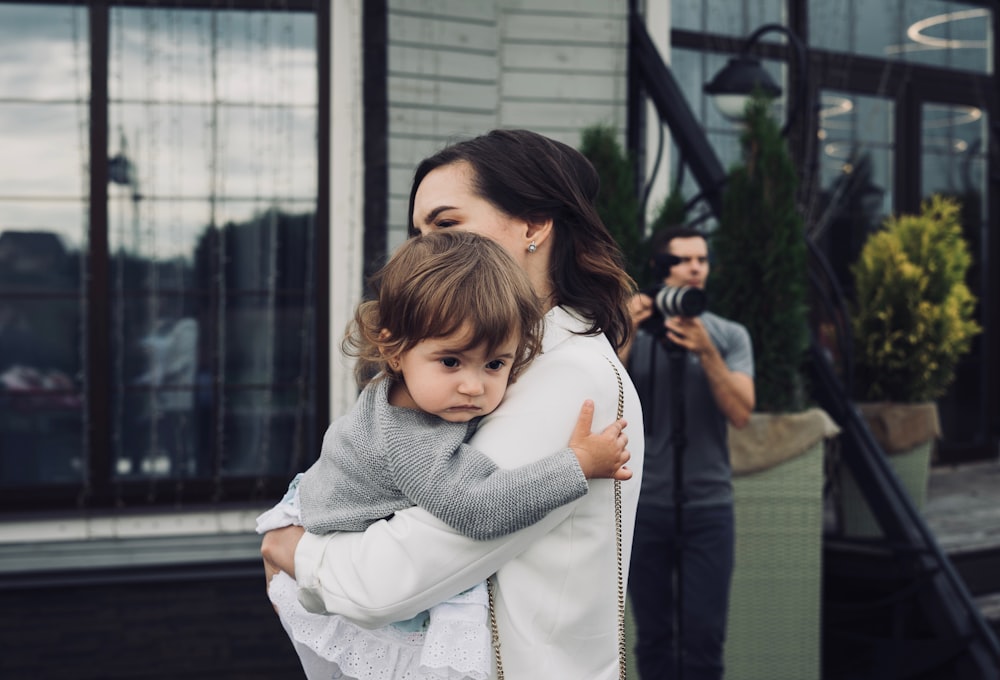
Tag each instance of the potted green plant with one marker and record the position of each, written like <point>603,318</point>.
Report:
<point>912,320</point>
<point>760,279</point>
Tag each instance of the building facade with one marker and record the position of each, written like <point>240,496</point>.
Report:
<point>193,192</point>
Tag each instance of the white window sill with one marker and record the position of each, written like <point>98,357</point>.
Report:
<point>36,547</point>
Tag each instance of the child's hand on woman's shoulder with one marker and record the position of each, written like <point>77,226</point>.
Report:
<point>601,454</point>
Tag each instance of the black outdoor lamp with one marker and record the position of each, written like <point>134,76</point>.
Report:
<point>732,86</point>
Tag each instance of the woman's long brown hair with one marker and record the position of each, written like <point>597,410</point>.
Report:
<point>531,177</point>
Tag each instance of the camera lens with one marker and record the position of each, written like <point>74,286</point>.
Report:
<point>681,301</point>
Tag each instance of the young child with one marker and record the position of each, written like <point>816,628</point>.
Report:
<point>453,321</point>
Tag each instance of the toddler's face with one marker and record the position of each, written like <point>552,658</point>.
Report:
<point>441,378</point>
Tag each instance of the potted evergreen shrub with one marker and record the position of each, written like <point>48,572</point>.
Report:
<point>912,320</point>
<point>760,279</point>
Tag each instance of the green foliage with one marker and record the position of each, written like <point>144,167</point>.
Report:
<point>617,202</point>
<point>671,214</point>
<point>913,315</point>
<point>759,275</point>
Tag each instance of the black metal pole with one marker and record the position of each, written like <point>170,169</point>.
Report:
<point>664,91</point>
<point>100,465</point>
<point>678,438</point>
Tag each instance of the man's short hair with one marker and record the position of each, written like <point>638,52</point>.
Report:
<point>659,242</point>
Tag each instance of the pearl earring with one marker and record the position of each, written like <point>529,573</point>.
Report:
<point>532,247</point>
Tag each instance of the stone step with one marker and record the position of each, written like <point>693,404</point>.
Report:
<point>989,605</point>
<point>962,512</point>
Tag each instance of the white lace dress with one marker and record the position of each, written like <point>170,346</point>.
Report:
<point>451,641</point>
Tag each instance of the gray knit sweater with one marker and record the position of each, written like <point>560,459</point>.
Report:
<point>380,458</point>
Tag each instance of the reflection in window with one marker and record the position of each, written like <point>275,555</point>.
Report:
<point>213,119</point>
<point>211,164</point>
<point>737,18</point>
<point>954,151</point>
<point>44,90</point>
<point>953,162</point>
<point>855,166</point>
<point>942,33</point>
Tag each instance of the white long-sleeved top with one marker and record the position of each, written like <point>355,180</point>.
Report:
<point>557,579</point>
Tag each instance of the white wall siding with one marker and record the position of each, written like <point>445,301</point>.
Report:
<point>460,68</point>
<point>540,23</point>
<point>592,87</point>
<point>474,96</point>
<point>657,18</point>
<point>572,7</point>
<point>346,192</point>
<point>563,66</point>
<point>443,79</point>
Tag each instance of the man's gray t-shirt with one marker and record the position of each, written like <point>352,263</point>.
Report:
<point>706,474</point>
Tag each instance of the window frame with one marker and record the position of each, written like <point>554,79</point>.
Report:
<point>908,85</point>
<point>99,488</point>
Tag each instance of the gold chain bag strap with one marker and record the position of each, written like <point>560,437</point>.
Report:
<point>491,588</point>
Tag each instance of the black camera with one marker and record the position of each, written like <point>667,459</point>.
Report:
<point>680,301</point>
<point>672,301</point>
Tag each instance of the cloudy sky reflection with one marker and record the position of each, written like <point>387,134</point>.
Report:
<point>199,100</point>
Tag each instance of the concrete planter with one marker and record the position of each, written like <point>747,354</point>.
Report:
<point>774,612</point>
<point>906,433</point>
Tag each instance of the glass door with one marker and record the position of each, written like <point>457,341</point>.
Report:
<point>953,163</point>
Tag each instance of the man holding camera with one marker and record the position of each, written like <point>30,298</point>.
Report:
<point>694,374</point>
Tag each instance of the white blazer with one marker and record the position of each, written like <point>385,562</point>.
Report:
<point>557,579</point>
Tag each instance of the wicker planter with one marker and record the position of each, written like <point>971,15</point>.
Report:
<point>906,433</point>
<point>774,608</point>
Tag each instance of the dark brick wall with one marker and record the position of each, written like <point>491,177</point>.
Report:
<point>216,625</point>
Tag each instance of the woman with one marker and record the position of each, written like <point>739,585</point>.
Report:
<point>451,324</point>
<point>556,581</point>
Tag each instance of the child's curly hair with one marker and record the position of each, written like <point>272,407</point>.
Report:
<point>435,285</point>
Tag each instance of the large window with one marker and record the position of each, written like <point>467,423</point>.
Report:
<point>158,260</point>
<point>903,102</point>
<point>953,143</point>
<point>43,229</point>
<point>943,33</point>
<point>725,17</point>
<point>855,158</point>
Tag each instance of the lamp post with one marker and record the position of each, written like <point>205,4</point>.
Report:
<point>732,86</point>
